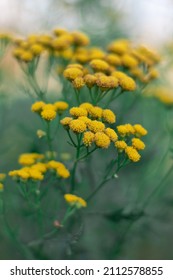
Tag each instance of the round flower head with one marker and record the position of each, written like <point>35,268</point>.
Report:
<point>102,140</point>
<point>99,65</point>
<point>75,65</point>
<point>63,172</point>
<point>88,138</point>
<point>90,80</point>
<point>140,130</point>
<point>30,158</point>
<point>36,175</point>
<point>26,56</point>
<point>108,116</point>
<point>78,112</point>
<point>127,83</point>
<point>96,53</point>
<point>86,120</point>
<point>37,106</point>
<point>66,122</point>
<point>74,200</point>
<point>95,112</point>
<point>129,61</point>
<point>17,52</point>
<point>111,134</point>
<point>119,75</point>
<point>72,73</point>
<point>77,126</point>
<point>1,187</point>
<point>138,144</point>
<point>80,38</point>
<point>120,46</point>
<point>60,31</point>
<point>60,106</point>
<point>153,73</point>
<point>2,177</point>
<point>87,106</point>
<point>78,83</point>
<point>107,82</point>
<point>36,49</point>
<point>113,59</point>
<point>39,166</point>
<point>96,126</point>
<point>130,128</point>
<point>22,174</point>
<point>48,114</point>
<point>120,145</point>
<point>49,106</point>
<point>132,154</point>
<point>122,130</point>
<point>53,164</point>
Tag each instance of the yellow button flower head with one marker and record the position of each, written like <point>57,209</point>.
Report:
<point>60,31</point>
<point>129,61</point>
<point>36,175</point>
<point>78,112</point>
<point>119,75</point>
<point>132,154</point>
<point>37,106</point>
<point>78,83</point>
<point>17,52</point>
<point>96,53</point>
<point>130,128</point>
<point>86,120</point>
<point>113,59</point>
<point>95,112</point>
<point>1,187</point>
<point>90,80</point>
<point>63,42</point>
<point>24,175</point>
<point>120,46</point>
<point>127,83</point>
<point>99,65</point>
<point>63,172</point>
<point>26,56</point>
<point>138,144</point>
<point>96,126</point>
<point>88,138</point>
<point>72,73</point>
<point>153,73</point>
<point>120,145</point>
<point>102,140</point>
<point>66,122</point>
<point>140,130</point>
<point>107,82</point>
<point>2,177</point>
<point>122,130</point>
<point>39,166</point>
<point>75,65</point>
<point>61,106</point>
<point>30,158</point>
<point>77,126</point>
<point>53,164</point>
<point>111,134</point>
<point>87,106</point>
<point>48,114</point>
<point>36,49</point>
<point>75,200</point>
<point>108,116</point>
<point>80,38</point>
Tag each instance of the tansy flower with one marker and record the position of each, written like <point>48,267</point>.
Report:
<point>107,82</point>
<point>111,134</point>
<point>22,174</point>
<point>132,154</point>
<point>78,83</point>
<point>62,172</point>
<point>41,167</point>
<point>127,83</point>
<point>29,159</point>
<point>122,130</point>
<point>80,38</point>
<point>88,138</point>
<point>48,114</point>
<point>1,187</point>
<point>86,120</point>
<point>95,112</point>
<point>36,175</point>
<point>99,65</point>
<point>140,130</point>
<point>72,73</point>
<point>96,126</point>
<point>113,59</point>
<point>138,144</point>
<point>77,126</point>
<point>78,112</point>
<point>129,61</point>
<point>26,56</point>
<point>96,53</point>
<point>60,31</point>
<point>37,49</point>
<point>55,165</point>
<point>130,128</point>
<point>108,116</point>
<point>37,106</point>
<point>61,106</point>
<point>120,46</point>
<point>90,80</point>
<point>65,122</point>
<point>87,106</point>
<point>48,106</point>
<point>102,140</point>
<point>120,145</point>
<point>75,65</point>
<point>74,200</point>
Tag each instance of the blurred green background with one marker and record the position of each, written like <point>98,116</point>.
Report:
<point>150,237</point>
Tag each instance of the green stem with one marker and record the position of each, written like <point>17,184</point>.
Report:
<point>73,173</point>
<point>49,140</point>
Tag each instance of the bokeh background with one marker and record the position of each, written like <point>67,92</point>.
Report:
<point>145,21</point>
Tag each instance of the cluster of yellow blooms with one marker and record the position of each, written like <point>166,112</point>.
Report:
<point>75,201</point>
<point>35,166</point>
<point>60,43</point>
<point>49,111</point>
<point>91,121</point>
<point>163,94</point>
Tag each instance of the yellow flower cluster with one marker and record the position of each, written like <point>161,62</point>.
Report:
<point>49,111</point>
<point>125,132</point>
<point>2,178</point>
<point>163,94</point>
<point>30,158</point>
<point>36,171</point>
<point>74,200</point>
